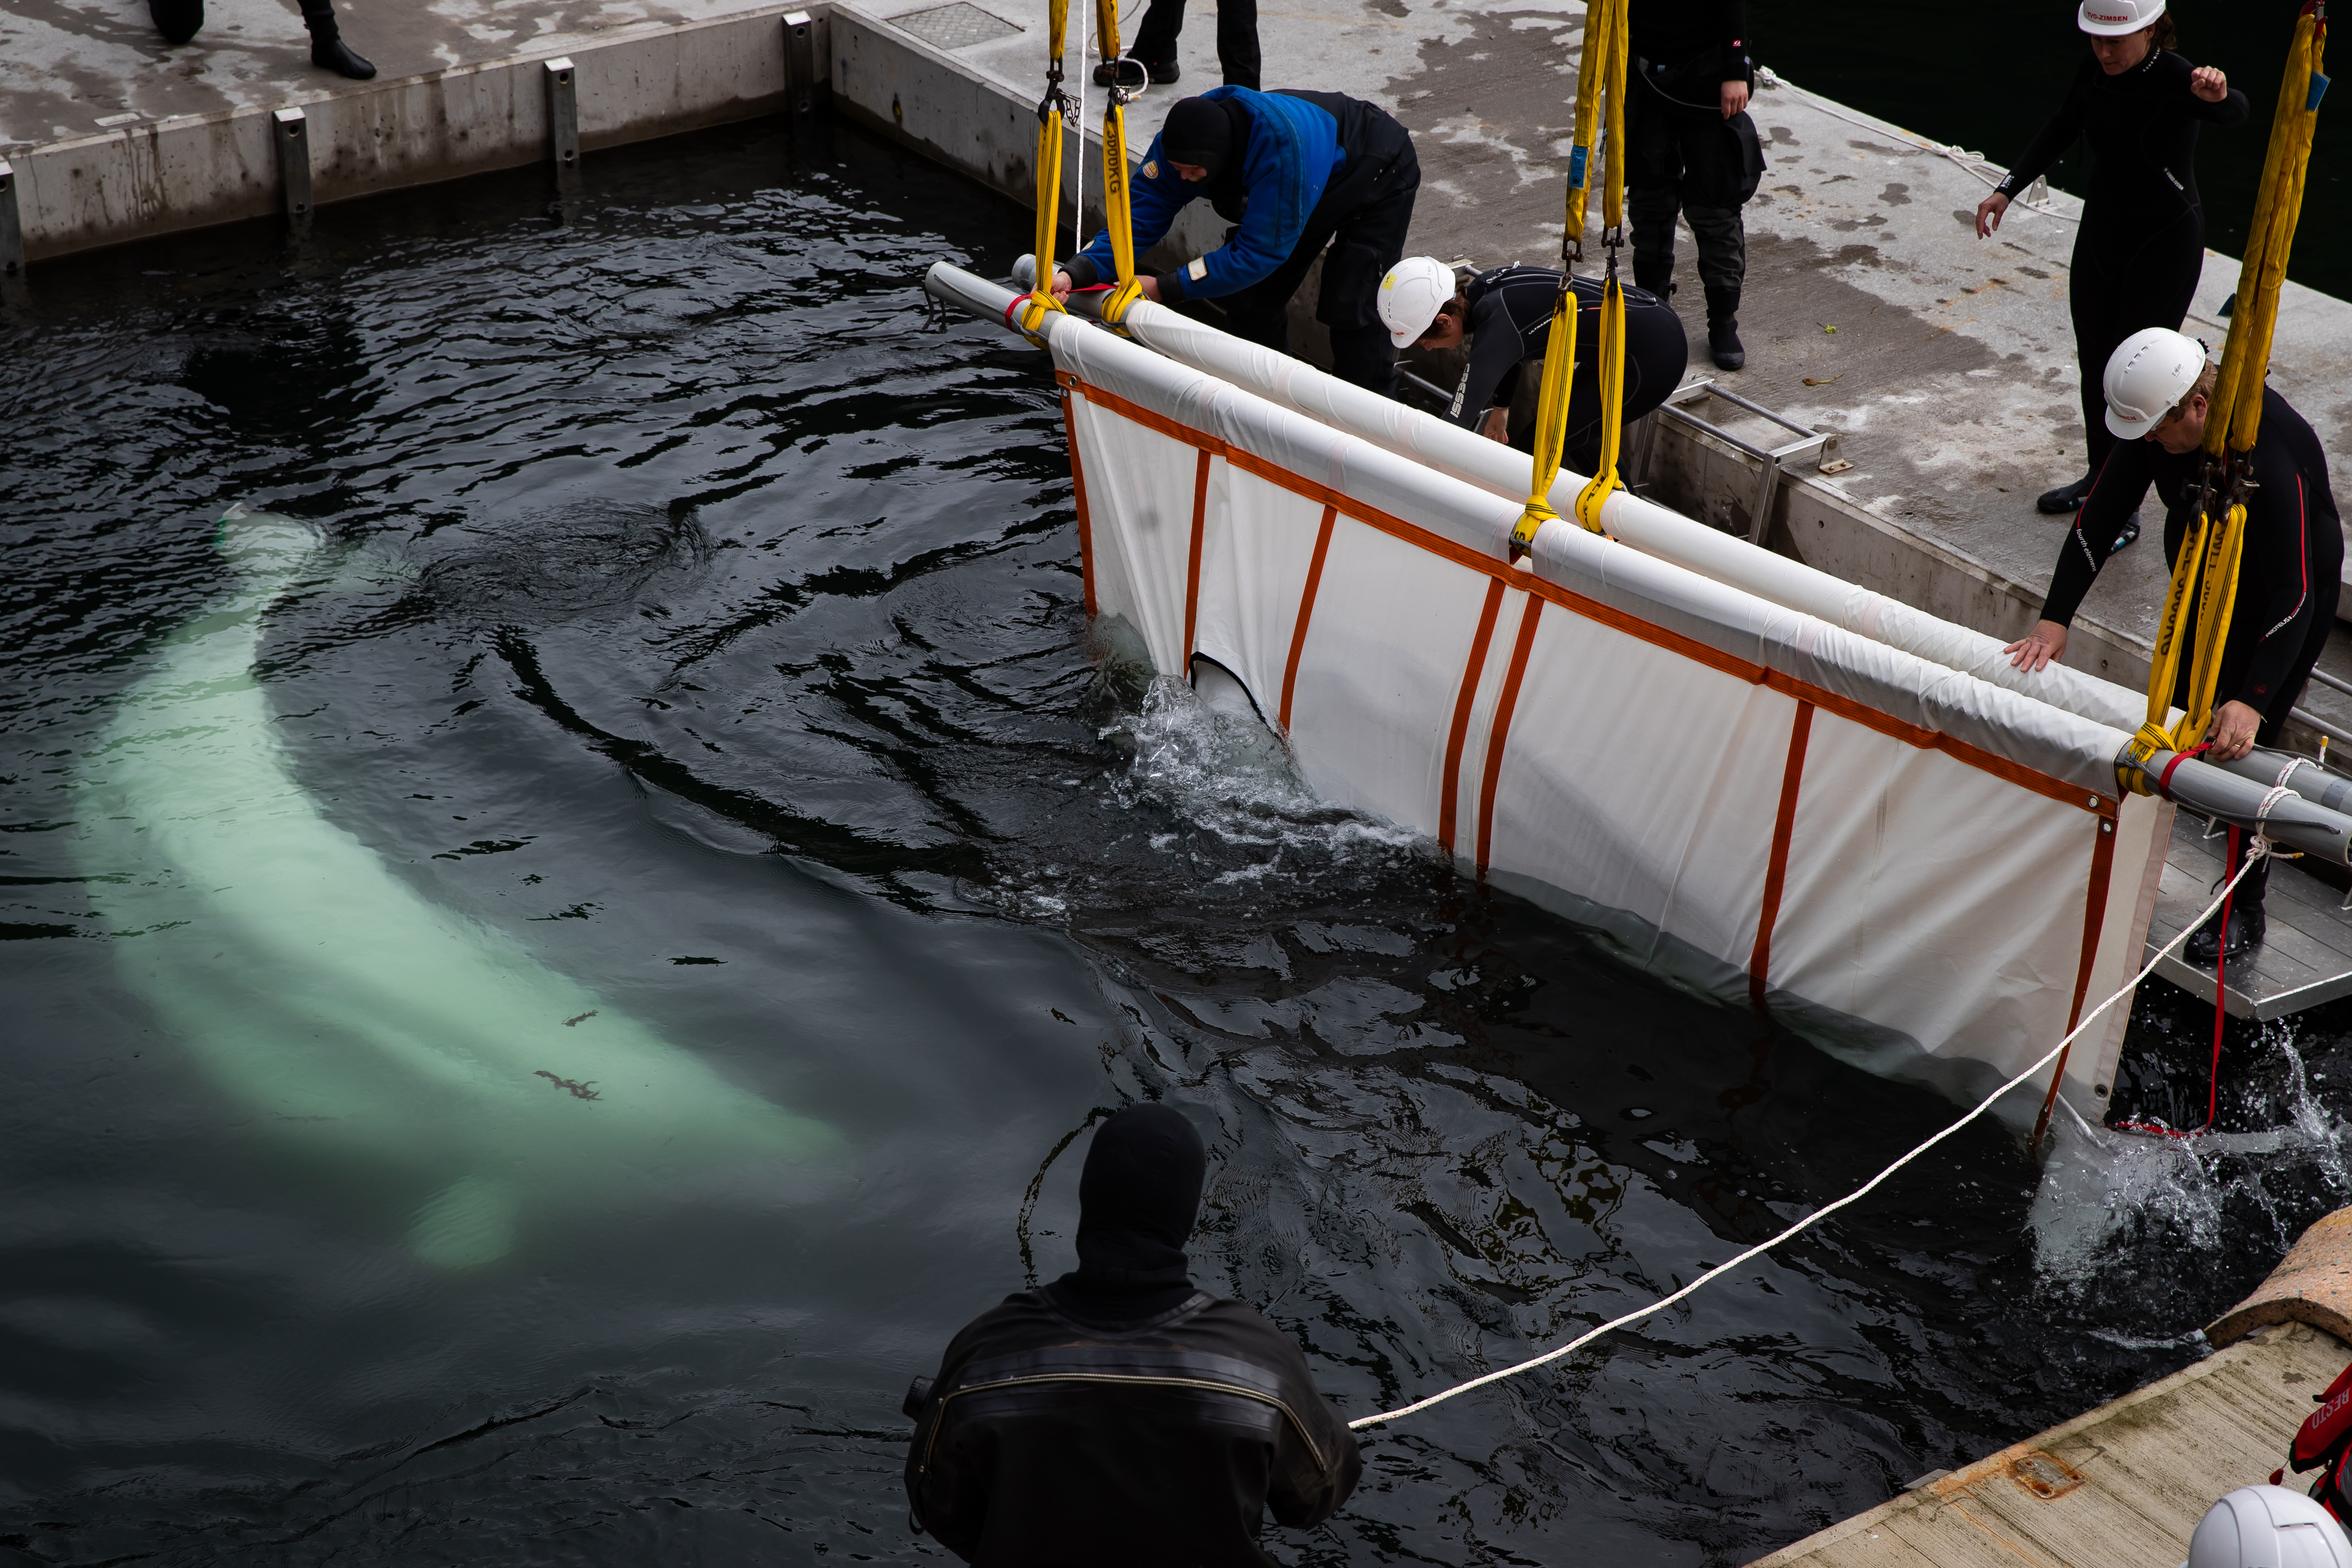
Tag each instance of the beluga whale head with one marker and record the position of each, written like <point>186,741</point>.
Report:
<point>345,1009</point>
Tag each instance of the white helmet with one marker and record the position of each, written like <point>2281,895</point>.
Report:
<point>1411,295</point>
<point>2150,371</point>
<point>2113,18</point>
<point>2268,1527</point>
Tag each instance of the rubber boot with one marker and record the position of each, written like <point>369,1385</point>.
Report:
<point>2206,944</point>
<point>178,20</point>
<point>328,49</point>
<point>1722,330</point>
<point>2065,498</point>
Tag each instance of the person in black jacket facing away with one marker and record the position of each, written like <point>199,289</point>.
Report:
<point>2156,389</point>
<point>1120,1414</point>
<point>1690,147</point>
<point>2141,243</point>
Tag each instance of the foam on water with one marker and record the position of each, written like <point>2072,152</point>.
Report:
<point>1227,774</point>
<point>2111,1199</point>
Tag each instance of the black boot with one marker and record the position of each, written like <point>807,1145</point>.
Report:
<point>178,20</point>
<point>2065,498</point>
<point>2206,944</point>
<point>328,49</point>
<point>1159,73</point>
<point>1722,330</point>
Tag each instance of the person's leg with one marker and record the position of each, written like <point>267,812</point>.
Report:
<point>326,45</point>
<point>1155,40</point>
<point>1722,241</point>
<point>178,20</point>
<point>2095,292</point>
<point>1652,189</point>
<point>1710,155</point>
<point>1261,313</point>
<point>1237,50</point>
<point>1367,241</point>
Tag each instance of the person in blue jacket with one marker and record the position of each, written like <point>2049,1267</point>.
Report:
<point>1296,172</point>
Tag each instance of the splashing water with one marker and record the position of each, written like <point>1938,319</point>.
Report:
<point>1224,774</point>
<point>2110,1200</point>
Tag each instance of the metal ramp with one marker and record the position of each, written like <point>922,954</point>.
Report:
<point>2306,958</point>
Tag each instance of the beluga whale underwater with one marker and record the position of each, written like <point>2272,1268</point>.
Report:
<point>335,1000</point>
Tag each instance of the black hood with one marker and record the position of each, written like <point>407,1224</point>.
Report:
<point>1138,1197</point>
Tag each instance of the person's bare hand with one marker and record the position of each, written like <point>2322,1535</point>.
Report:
<point>1988,212</point>
<point>2035,651</point>
<point>2209,84</point>
<point>1497,425</point>
<point>2232,731</point>
<point>1735,98</point>
<point>1150,288</point>
<point>1061,284</point>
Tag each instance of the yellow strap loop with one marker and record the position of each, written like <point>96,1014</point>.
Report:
<point>1117,215</point>
<point>2207,566</point>
<point>1040,300</point>
<point>1600,91</point>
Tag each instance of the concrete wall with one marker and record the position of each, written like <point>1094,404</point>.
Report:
<point>164,176</point>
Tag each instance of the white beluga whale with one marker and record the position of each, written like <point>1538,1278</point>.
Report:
<point>345,1009</point>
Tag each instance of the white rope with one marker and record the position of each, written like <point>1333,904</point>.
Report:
<point>1975,164</point>
<point>2260,849</point>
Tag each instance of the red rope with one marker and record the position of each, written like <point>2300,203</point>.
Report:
<point>2221,969</point>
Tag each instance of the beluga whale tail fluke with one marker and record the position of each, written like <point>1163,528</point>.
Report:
<point>335,1000</point>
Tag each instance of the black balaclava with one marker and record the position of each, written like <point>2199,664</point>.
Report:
<point>1138,1197</point>
<point>1203,133</point>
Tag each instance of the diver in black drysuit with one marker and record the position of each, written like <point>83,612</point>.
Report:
<point>2288,578</point>
<point>1506,320</point>
<point>2141,243</point>
<point>178,21</point>
<point>1120,1414</point>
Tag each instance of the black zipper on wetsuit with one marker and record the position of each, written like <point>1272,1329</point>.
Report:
<point>940,1417</point>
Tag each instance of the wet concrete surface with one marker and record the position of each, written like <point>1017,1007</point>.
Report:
<point>1945,362</point>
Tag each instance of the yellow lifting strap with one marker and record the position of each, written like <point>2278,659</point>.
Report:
<point>1116,216</point>
<point>1031,310</point>
<point>1599,90</point>
<point>2210,554</point>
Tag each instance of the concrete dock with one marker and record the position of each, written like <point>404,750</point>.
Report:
<point>2126,1484</point>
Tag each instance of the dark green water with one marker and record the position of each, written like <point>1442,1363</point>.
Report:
<point>1986,77</point>
<point>709,620</point>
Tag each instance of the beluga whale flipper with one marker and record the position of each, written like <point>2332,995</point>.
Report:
<point>332,998</point>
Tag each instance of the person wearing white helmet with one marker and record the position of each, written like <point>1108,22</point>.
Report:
<point>2141,243</point>
<point>2268,1527</point>
<point>1505,316</point>
<point>2157,386</point>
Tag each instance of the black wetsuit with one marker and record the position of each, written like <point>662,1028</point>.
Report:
<point>2141,244</point>
<point>1681,155</point>
<point>1510,321</point>
<point>1120,1416</point>
<point>1055,1440</point>
<point>2288,574</point>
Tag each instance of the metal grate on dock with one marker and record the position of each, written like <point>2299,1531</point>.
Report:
<point>956,26</point>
